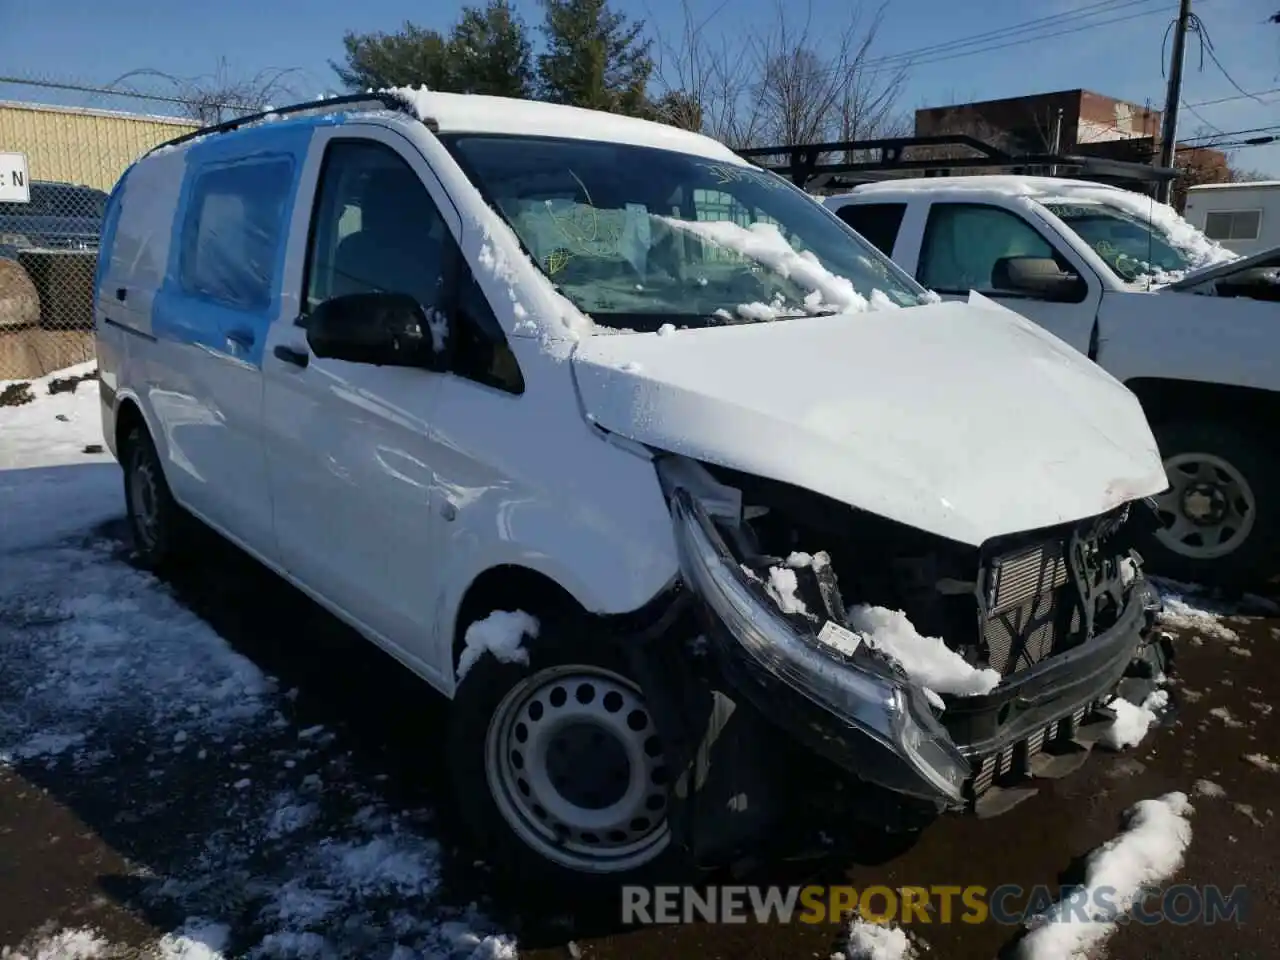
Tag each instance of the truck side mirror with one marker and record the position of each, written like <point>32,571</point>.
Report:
<point>1038,277</point>
<point>384,329</point>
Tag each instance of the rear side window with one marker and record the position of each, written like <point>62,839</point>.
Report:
<point>233,231</point>
<point>877,222</point>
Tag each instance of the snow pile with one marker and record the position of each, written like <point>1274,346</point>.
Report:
<point>782,588</point>
<point>52,429</point>
<point>1133,721</point>
<point>875,941</point>
<point>1149,852</point>
<point>1207,788</point>
<point>927,660</point>
<point>64,945</point>
<point>195,940</point>
<point>1178,613</point>
<point>764,243</point>
<point>1262,762</point>
<point>502,634</point>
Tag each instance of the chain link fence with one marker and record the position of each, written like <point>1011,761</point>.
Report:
<point>49,240</point>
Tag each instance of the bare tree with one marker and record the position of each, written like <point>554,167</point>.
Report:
<point>784,83</point>
<point>808,96</point>
<point>218,96</point>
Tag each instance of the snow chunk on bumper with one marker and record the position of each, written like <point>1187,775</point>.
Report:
<point>927,660</point>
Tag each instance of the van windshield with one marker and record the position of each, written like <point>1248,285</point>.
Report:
<point>639,237</point>
<point>1133,249</point>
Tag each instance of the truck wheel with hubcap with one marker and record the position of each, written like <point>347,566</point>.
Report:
<point>159,526</point>
<point>557,764</point>
<point>1220,519</point>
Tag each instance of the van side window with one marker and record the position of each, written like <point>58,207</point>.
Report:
<point>963,242</point>
<point>232,233</point>
<point>877,222</point>
<point>375,229</point>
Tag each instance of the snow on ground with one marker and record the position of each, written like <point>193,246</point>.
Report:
<point>874,941</point>
<point>102,670</point>
<point>51,430</point>
<point>1199,617</point>
<point>1149,852</point>
<point>1133,720</point>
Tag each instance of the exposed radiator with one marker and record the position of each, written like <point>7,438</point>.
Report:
<point>1023,596</point>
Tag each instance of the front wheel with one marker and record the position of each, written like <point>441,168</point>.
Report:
<point>1219,517</point>
<point>558,766</point>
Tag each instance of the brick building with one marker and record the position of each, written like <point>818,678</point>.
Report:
<point>1070,122</point>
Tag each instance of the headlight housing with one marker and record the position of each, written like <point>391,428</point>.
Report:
<point>889,710</point>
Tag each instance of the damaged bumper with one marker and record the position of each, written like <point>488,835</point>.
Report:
<point>860,710</point>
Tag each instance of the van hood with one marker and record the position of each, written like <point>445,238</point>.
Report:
<point>961,419</point>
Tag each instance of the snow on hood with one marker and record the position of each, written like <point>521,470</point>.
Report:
<point>950,417</point>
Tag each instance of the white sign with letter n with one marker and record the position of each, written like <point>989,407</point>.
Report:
<point>15,187</point>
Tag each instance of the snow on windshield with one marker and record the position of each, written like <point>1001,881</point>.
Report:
<point>1193,249</point>
<point>764,243</point>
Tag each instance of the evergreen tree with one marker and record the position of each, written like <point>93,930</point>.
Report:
<point>595,58</point>
<point>409,57</point>
<point>490,52</point>
<point>487,51</point>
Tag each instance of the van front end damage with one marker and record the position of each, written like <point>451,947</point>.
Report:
<point>1065,617</point>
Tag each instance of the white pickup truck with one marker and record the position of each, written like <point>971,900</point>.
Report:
<point>1190,328</point>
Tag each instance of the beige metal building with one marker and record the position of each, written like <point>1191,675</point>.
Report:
<point>46,305</point>
<point>81,145</point>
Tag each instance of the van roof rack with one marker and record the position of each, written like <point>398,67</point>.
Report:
<point>804,162</point>
<point>391,101</point>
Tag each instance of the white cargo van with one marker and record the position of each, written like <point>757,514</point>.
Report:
<point>1243,217</point>
<point>1113,274</point>
<point>699,509</point>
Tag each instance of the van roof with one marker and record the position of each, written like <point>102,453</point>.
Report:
<point>1243,185</point>
<point>473,113</point>
<point>1006,185</point>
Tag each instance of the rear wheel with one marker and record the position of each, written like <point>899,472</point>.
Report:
<point>161,529</point>
<point>1220,517</point>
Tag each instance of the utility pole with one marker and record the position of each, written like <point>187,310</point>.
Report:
<point>1169,133</point>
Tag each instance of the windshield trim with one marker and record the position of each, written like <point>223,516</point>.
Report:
<point>450,142</point>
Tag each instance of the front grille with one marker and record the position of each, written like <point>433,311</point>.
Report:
<point>1024,597</point>
<point>1015,759</point>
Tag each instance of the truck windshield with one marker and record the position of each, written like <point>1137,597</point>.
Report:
<point>1133,249</point>
<point>639,237</point>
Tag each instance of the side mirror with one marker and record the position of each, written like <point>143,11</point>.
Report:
<point>383,329</point>
<point>1039,277</point>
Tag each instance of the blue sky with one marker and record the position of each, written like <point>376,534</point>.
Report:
<point>89,41</point>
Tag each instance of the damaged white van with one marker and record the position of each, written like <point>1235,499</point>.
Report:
<point>699,510</point>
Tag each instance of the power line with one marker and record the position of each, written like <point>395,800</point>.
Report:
<point>1039,23</point>
<point>1239,96</point>
<point>877,66</point>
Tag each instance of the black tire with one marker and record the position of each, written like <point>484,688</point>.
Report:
<point>476,705</point>
<point>1255,559</point>
<point>162,537</point>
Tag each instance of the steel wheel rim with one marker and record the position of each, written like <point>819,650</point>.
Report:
<point>144,495</point>
<point>575,767</point>
<point>1209,509</point>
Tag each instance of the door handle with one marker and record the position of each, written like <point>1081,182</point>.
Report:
<point>241,338</point>
<point>299,358</point>
<point>121,293</point>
